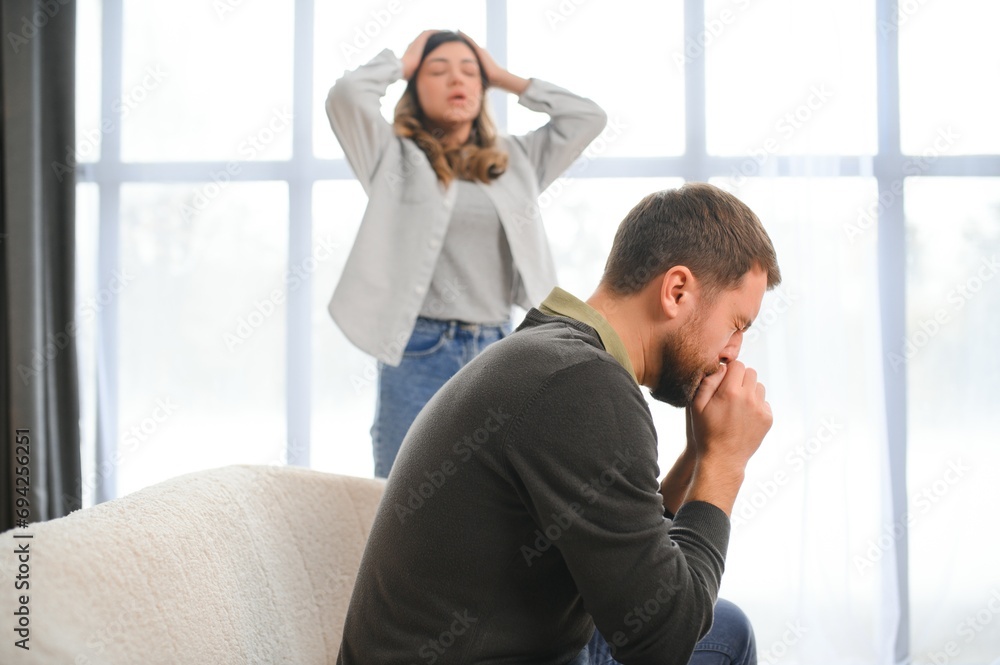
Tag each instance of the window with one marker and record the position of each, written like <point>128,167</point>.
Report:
<point>216,211</point>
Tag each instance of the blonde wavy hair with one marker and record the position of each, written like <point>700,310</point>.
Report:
<point>478,159</point>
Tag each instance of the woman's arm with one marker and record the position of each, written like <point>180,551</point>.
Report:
<point>574,121</point>
<point>497,76</point>
<point>354,109</point>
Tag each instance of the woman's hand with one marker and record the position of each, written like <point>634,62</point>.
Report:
<point>411,57</point>
<point>496,75</point>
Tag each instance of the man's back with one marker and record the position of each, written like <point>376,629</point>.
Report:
<point>523,502</point>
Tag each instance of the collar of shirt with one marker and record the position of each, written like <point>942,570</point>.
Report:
<point>563,303</point>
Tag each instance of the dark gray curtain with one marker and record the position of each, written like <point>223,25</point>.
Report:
<point>38,360</point>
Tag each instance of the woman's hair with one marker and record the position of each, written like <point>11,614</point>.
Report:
<point>479,158</point>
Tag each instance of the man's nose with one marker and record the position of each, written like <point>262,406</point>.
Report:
<point>732,350</point>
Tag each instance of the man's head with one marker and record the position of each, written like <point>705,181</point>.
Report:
<point>697,261</point>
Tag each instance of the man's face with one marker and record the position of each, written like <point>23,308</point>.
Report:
<point>712,335</point>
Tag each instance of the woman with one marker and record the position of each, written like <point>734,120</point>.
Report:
<point>452,236</point>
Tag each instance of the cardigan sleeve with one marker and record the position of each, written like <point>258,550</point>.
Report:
<point>574,122</point>
<point>353,107</point>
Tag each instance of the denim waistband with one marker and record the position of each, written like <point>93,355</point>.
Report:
<point>454,324</point>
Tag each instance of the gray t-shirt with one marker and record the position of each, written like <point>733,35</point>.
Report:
<point>474,276</point>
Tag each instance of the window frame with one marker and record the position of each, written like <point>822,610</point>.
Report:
<point>304,169</point>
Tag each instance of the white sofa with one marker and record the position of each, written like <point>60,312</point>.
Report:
<point>241,564</point>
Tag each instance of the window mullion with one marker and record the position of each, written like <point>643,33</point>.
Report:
<point>298,322</point>
<point>496,44</point>
<point>695,106</point>
<point>892,305</point>
<point>109,256</point>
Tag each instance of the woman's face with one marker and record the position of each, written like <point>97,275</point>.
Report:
<point>449,85</point>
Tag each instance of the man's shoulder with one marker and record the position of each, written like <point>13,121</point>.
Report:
<point>554,350</point>
<point>554,343</point>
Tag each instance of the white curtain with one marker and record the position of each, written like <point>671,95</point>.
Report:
<point>783,93</point>
<point>815,494</point>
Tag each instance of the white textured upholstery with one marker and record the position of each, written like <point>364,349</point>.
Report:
<point>241,564</point>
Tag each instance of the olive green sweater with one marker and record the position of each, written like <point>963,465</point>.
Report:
<point>523,509</point>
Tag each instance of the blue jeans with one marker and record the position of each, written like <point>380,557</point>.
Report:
<point>435,353</point>
<point>729,641</point>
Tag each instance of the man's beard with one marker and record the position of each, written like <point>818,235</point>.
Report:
<point>682,368</point>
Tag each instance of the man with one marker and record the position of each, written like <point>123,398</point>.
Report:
<point>525,509</point>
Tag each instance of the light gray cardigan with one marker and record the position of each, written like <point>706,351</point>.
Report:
<point>389,269</point>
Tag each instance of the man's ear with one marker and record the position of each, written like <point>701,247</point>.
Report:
<point>677,287</point>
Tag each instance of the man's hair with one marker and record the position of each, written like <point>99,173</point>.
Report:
<point>699,226</point>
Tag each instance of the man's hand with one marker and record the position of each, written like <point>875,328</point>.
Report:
<point>730,415</point>
<point>729,418</point>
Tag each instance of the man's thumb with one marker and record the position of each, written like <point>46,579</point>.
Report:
<point>708,386</point>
